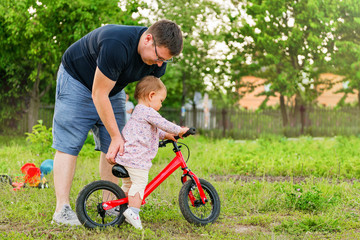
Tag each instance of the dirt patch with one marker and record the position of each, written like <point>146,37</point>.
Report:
<point>299,179</point>
<point>244,228</point>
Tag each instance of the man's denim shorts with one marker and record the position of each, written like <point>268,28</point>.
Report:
<point>75,115</point>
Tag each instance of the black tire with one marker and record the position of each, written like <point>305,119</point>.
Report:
<point>88,205</point>
<point>200,214</point>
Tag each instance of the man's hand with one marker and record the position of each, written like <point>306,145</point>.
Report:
<point>116,146</point>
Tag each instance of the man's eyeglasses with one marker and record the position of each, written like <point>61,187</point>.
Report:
<point>158,59</point>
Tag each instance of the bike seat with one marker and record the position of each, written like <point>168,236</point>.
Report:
<point>119,171</point>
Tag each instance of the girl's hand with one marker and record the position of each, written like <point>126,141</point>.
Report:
<point>183,131</point>
<point>170,136</point>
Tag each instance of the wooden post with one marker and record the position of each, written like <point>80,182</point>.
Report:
<point>302,117</point>
<point>224,112</point>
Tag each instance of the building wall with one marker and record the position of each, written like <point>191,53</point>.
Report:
<point>328,98</point>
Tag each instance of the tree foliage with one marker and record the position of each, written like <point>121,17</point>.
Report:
<point>346,59</point>
<point>186,75</point>
<point>33,37</point>
<point>288,43</point>
<point>282,41</point>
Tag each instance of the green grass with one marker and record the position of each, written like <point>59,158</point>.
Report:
<point>321,200</point>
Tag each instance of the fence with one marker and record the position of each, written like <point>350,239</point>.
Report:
<point>45,114</point>
<point>245,124</point>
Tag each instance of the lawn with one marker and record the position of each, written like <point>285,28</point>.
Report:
<point>271,188</point>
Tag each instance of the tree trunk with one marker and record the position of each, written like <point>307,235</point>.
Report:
<point>33,111</point>
<point>283,110</point>
<point>296,111</point>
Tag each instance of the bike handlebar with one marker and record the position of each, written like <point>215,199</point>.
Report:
<point>191,131</point>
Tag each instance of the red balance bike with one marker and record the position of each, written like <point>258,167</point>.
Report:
<point>102,203</point>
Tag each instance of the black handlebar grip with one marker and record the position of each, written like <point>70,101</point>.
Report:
<point>191,131</point>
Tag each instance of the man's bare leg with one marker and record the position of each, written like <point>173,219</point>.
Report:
<point>105,169</point>
<point>64,170</point>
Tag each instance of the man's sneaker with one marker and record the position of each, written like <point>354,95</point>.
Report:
<point>66,216</point>
<point>113,212</point>
<point>133,219</point>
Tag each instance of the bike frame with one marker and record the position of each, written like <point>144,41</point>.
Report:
<point>177,162</point>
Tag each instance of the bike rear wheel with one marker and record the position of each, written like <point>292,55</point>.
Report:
<point>199,213</point>
<point>89,205</point>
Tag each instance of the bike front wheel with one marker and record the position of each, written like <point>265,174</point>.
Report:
<point>89,205</point>
<point>195,211</point>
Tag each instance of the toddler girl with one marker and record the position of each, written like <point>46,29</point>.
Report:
<point>142,133</point>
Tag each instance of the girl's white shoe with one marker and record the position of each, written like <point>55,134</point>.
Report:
<point>133,218</point>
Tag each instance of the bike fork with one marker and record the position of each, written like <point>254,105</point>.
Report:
<point>194,178</point>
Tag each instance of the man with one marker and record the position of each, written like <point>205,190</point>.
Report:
<point>89,95</point>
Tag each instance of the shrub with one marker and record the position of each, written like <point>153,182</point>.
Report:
<point>40,138</point>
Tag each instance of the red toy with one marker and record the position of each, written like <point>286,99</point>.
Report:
<point>32,174</point>
<point>32,177</point>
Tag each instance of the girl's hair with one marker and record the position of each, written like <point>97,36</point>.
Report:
<point>146,85</point>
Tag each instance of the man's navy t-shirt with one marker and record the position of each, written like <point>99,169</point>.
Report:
<point>113,48</point>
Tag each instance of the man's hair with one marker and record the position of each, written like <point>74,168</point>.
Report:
<point>146,85</point>
<point>167,34</point>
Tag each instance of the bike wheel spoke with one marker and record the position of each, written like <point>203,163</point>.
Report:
<point>192,207</point>
<point>98,197</point>
<point>200,210</point>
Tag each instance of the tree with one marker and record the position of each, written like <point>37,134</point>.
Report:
<point>346,60</point>
<point>186,75</point>
<point>33,37</point>
<point>280,41</point>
